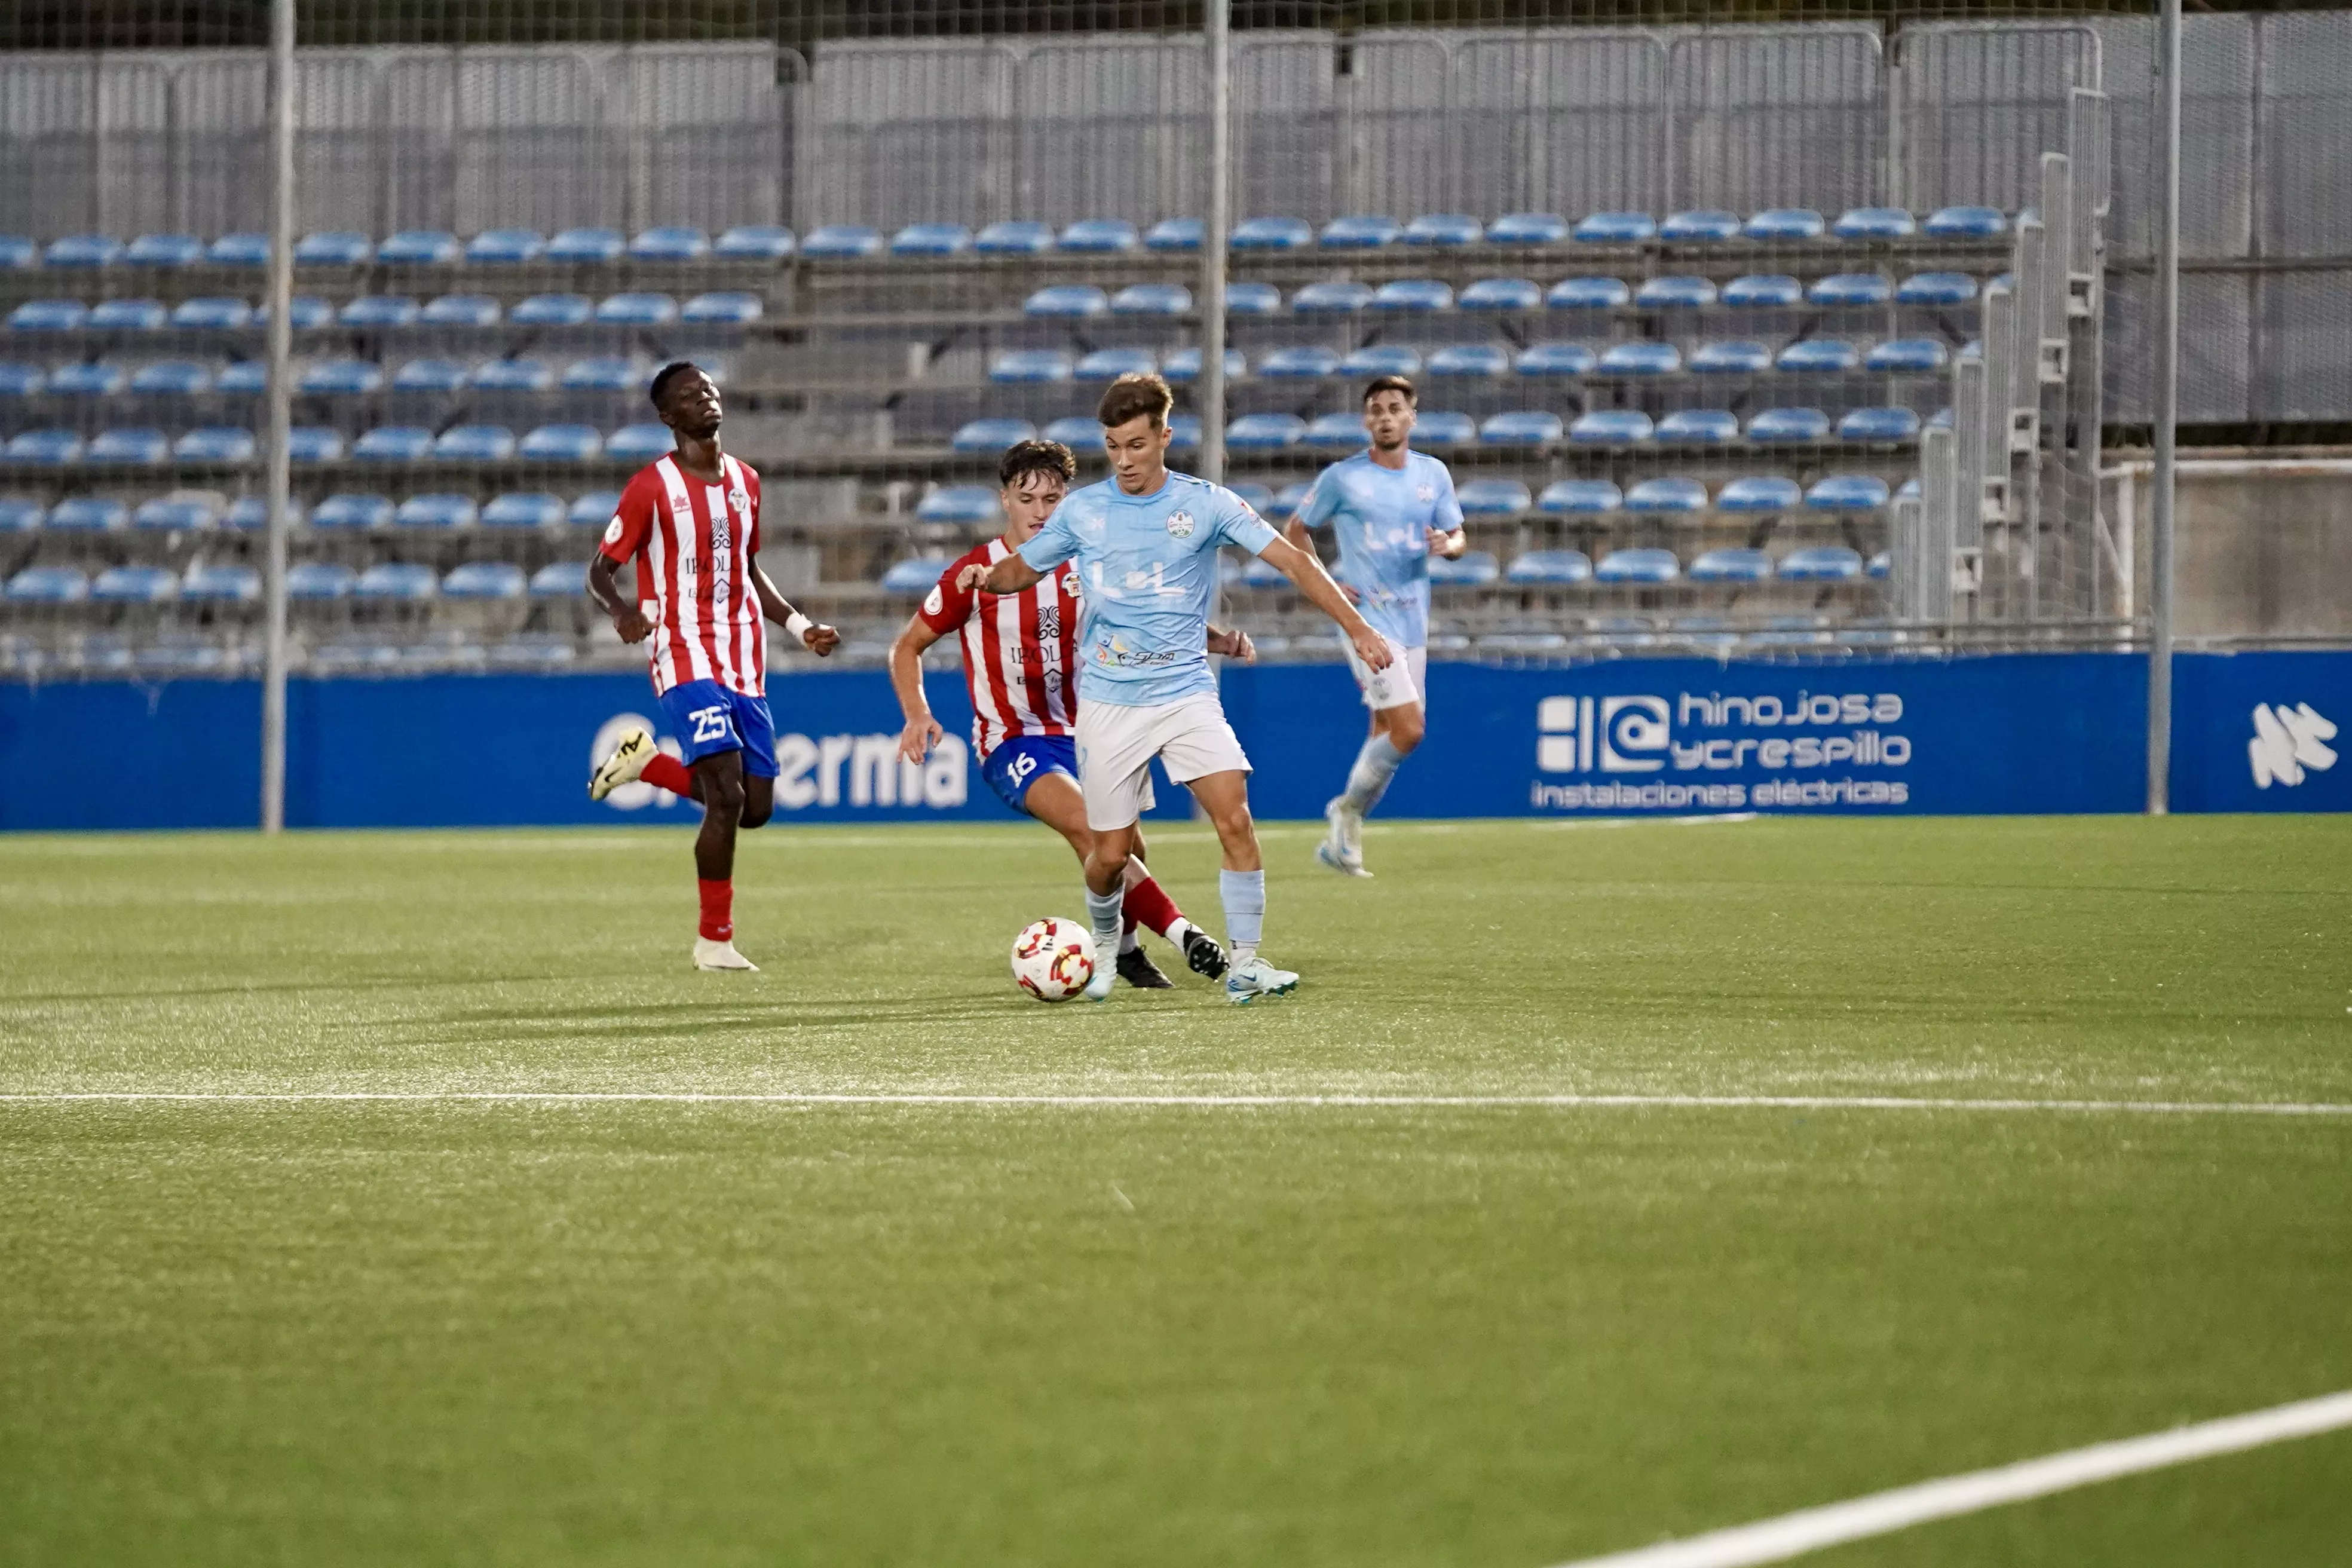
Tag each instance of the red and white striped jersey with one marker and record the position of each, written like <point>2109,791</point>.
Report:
<point>693,542</point>
<point>1020,650</point>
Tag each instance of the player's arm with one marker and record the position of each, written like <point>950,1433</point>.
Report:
<point>1306,574</point>
<point>1009,575</point>
<point>1231,642</point>
<point>627,617</point>
<point>1314,512</point>
<point>922,731</point>
<point>820,639</point>
<point>1447,537</point>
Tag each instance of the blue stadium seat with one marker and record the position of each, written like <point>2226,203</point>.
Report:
<point>1610,427</point>
<point>1175,234</point>
<point>1876,223</point>
<point>1446,427</point>
<point>136,585</point>
<point>163,251</point>
<point>1338,431</point>
<point>586,246</point>
<point>1259,572</point>
<point>248,513</point>
<point>1287,501</point>
<point>1445,228</point>
<point>1027,366</point>
<point>1785,223</point>
<point>502,247</point>
<point>1643,566</point>
<point>318,580</point>
<point>18,379</point>
<point>140,446</point>
<point>337,249</point>
<point>1015,237</point>
<point>1493,498</point>
<point>342,377</point>
<point>1109,364</point>
<point>1471,569</point>
<point>1940,420</point>
<point>1706,426</point>
<point>213,313</point>
<point>170,378</point>
<point>127,316</point>
<point>1790,425</point>
<point>1502,294</point>
<point>958,503</point>
<point>671,242</point>
<point>1589,294</point>
<point>1382,359</point>
<point>1332,297</point>
<point>1098,235</point>
<point>1763,290</point>
<point>1527,228</point>
<point>1666,495</point>
<point>1272,234</point>
<point>42,449</point>
<point>48,586</point>
<point>1252,299</point>
<point>1555,359</point>
<point>524,508</point>
<point>419,248</point>
<point>393,444</point>
<point>916,575</point>
<point>1580,498</point>
<point>474,444</point>
<point>1733,357</point>
<point>243,378</point>
<point>379,310</point>
<point>1732,566</point>
<point>1413,294</point>
<point>307,313</point>
<point>1820,564</point>
<point>1935,289</point>
<point>1878,425</point>
<point>1850,289</point>
<point>1185,365</point>
<point>1816,354</point>
<point>1078,432</point>
<point>1367,231</point>
<point>461,311</point>
<point>593,510</point>
<point>1520,427</point>
<point>1643,357</point>
<point>1550,569</point>
<point>562,444</point>
<point>16,252</point>
<point>842,242</point>
<point>396,580</point>
<point>19,516</point>
<point>221,584</point>
<point>601,372</point>
<point>1965,223</point>
<point>1616,229</point>
<point>1306,362</point>
<point>484,580</point>
<point>1067,301</point>
<point>89,514</point>
<point>754,242</point>
<point>1264,432</point>
<point>430,376</point>
<point>1847,492</point>
<point>560,580</point>
<point>1151,300</point>
<point>1704,224</point>
<point>79,250</point>
<point>511,375</point>
<point>1470,359</point>
<point>87,378</point>
<point>1881,565</point>
<point>636,310</point>
<point>727,307</point>
<point>354,510</point>
<point>1909,354</point>
<point>1759,493</point>
<point>992,434</point>
<point>930,240</point>
<point>49,316</point>
<point>1675,293</point>
<point>221,443</point>
<point>246,249</point>
<point>435,511</point>
<point>553,310</point>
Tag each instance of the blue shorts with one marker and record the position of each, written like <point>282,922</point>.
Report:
<point>708,719</point>
<point>1022,761</point>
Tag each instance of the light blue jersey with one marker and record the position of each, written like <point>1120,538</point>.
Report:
<point>1383,518</point>
<point>1148,575</point>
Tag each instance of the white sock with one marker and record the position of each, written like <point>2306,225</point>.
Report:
<point>1369,779</point>
<point>1179,931</point>
<point>1243,895</point>
<point>1103,910</point>
<point>1126,942</point>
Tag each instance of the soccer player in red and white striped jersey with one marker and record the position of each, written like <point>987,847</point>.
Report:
<point>1020,664</point>
<point>691,522</point>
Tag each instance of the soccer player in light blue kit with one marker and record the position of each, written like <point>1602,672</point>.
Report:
<point>1146,544</point>
<point>1392,508</point>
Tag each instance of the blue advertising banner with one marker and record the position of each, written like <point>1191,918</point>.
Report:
<point>2257,731</point>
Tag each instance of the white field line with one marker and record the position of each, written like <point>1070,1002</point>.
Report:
<point>1881,1513</point>
<point>1179,1101</point>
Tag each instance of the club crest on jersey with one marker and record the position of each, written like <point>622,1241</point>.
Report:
<point>1179,524</point>
<point>935,602</point>
<point>613,530</point>
<point>1426,493</point>
<point>739,499</point>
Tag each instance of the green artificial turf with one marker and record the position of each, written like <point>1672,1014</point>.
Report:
<point>600,1331</point>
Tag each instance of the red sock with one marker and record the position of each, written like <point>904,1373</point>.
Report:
<point>1146,901</point>
<point>665,772</point>
<point>717,908</point>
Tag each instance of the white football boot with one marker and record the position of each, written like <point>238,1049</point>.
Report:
<point>627,760</point>
<point>1105,972</point>
<point>1247,982</point>
<point>715,955</point>
<point>1342,848</point>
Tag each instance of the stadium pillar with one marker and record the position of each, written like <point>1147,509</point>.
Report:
<point>2167,411</point>
<point>281,391</point>
<point>1212,241</point>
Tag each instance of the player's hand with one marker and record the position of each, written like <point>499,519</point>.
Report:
<point>633,626</point>
<point>1232,644</point>
<point>915,740</point>
<point>972,579</point>
<point>821,639</point>
<point>1353,594</point>
<point>1371,648</point>
<point>1449,544</point>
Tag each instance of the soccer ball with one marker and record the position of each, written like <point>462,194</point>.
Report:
<point>1052,959</point>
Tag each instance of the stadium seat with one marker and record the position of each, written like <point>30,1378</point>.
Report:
<point>1332,297</point>
<point>42,449</point>
<point>337,248</point>
<point>511,375</point>
<point>1175,234</point>
<point>127,316</point>
<point>246,249</point>
<point>593,510</point>
<point>1185,365</point>
<point>1935,289</point>
<point>393,444</point>
<point>958,503</point>
<point>1338,431</point>
<point>87,378</point>
<point>1259,572</point>
<point>1030,366</point>
<point>221,584</point>
<point>1703,225</point>
<point>1272,234</point>
<point>992,434</point>
<point>1759,494</point>
<point>213,313</point>
<point>636,310</point>
<point>1638,566</point>
<point>141,446</point>
<point>1550,569</point>
<point>83,250</point>
<point>601,372</point>
<point>1493,498</point>
<point>419,248</point>
<point>1579,497</point>
<point>915,575</point>
<point>1015,237</point>
<point>1471,569</point>
<point>136,585</point>
<point>1675,293</point>
<point>243,378</point>
<point>1881,565</point>
<point>484,580</point>
<point>1445,228</point>
<point>316,580</point>
<point>17,253</point>
<point>562,444</point>
<point>352,510</point>
<point>460,311</point>
<point>1790,425</point>
<point>1252,299</point>
<point>1555,359</point>
<point>1616,229</point>
<point>671,242</point>
<point>1264,432</point>
<point>1820,564</point>
<point>1610,427</point>
<point>930,240</point>
<point>1732,566</point>
<point>1381,359</point>
<point>89,514</point>
<point>430,376</point>
<point>1367,231</point>
<point>342,377</point>
<point>1784,223</point>
<point>579,247</point>
<point>436,511</point>
<point>221,443</point>
<point>307,313</point>
<point>49,316</point>
<point>1520,427</point>
<point>1842,289</point>
<point>1502,294</point>
<point>1699,425</point>
<point>1287,501</point>
<point>496,248</point>
<point>48,586</point>
<point>1940,420</point>
<point>727,307</point>
<point>1308,362</point>
<point>1258,497</point>
<point>1589,294</point>
<point>1878,425</point>
<point>1527,228</point>
<point>1734,357</point>
<point>1817,355</point>
<point>474,444</point>
<point>311,444</point>
<point>1907,355</point>
<point>523,508</point>
<point>754,242</point>
<point>1640,358</point>
<point>1470,359</point>
<point>163,251</point>
<point>1098,235</point>
<point>1151,300</point>
<point>1068,301</point>
<point>18,379</point>
<point>1406,294</point>
<point>1876,223</point>
<point>1763,290</point>
<point>248,513</point>
<point>1444,427</point>
<point>842,242</point>
<point>560,580</point>
<point>1078,432</point>
<point>19,516</point>
<point>553,310</point>
<point>1666,495</point>
<point>1847,492</point>
<point>1109,364</point>
<point>1965,223</point>
<point>396,580</point>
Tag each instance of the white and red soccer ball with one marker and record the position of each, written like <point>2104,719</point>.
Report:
<point>1052,959</point>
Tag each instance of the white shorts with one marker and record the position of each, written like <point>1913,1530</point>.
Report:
<point>1115,746</point>
<point>1400,683</point>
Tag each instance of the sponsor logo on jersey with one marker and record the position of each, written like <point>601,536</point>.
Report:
<point>1179,524</point>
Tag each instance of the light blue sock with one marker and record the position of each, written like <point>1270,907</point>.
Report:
<point>1103,910</point>
<point>1369,779</point>
<point>1244,894</point>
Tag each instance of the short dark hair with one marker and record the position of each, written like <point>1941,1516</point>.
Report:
<point>664,376</point>
<point>1391,384</point>
<point>1035,457</point>
<point>1136,395</point>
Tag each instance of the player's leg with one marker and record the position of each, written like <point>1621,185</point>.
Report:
<point>757,730</point>
<point>1241,884</point>
<point>720,775</point>
<point>1394,696</point>
<point>1114,754</point>
<point>1053,797</point>
<point>637,757</point>
<point>1150,904</point>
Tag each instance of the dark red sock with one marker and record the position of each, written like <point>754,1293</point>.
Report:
<point>665,772</point>
<point>717,908</point>
<point>1146,901</point>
